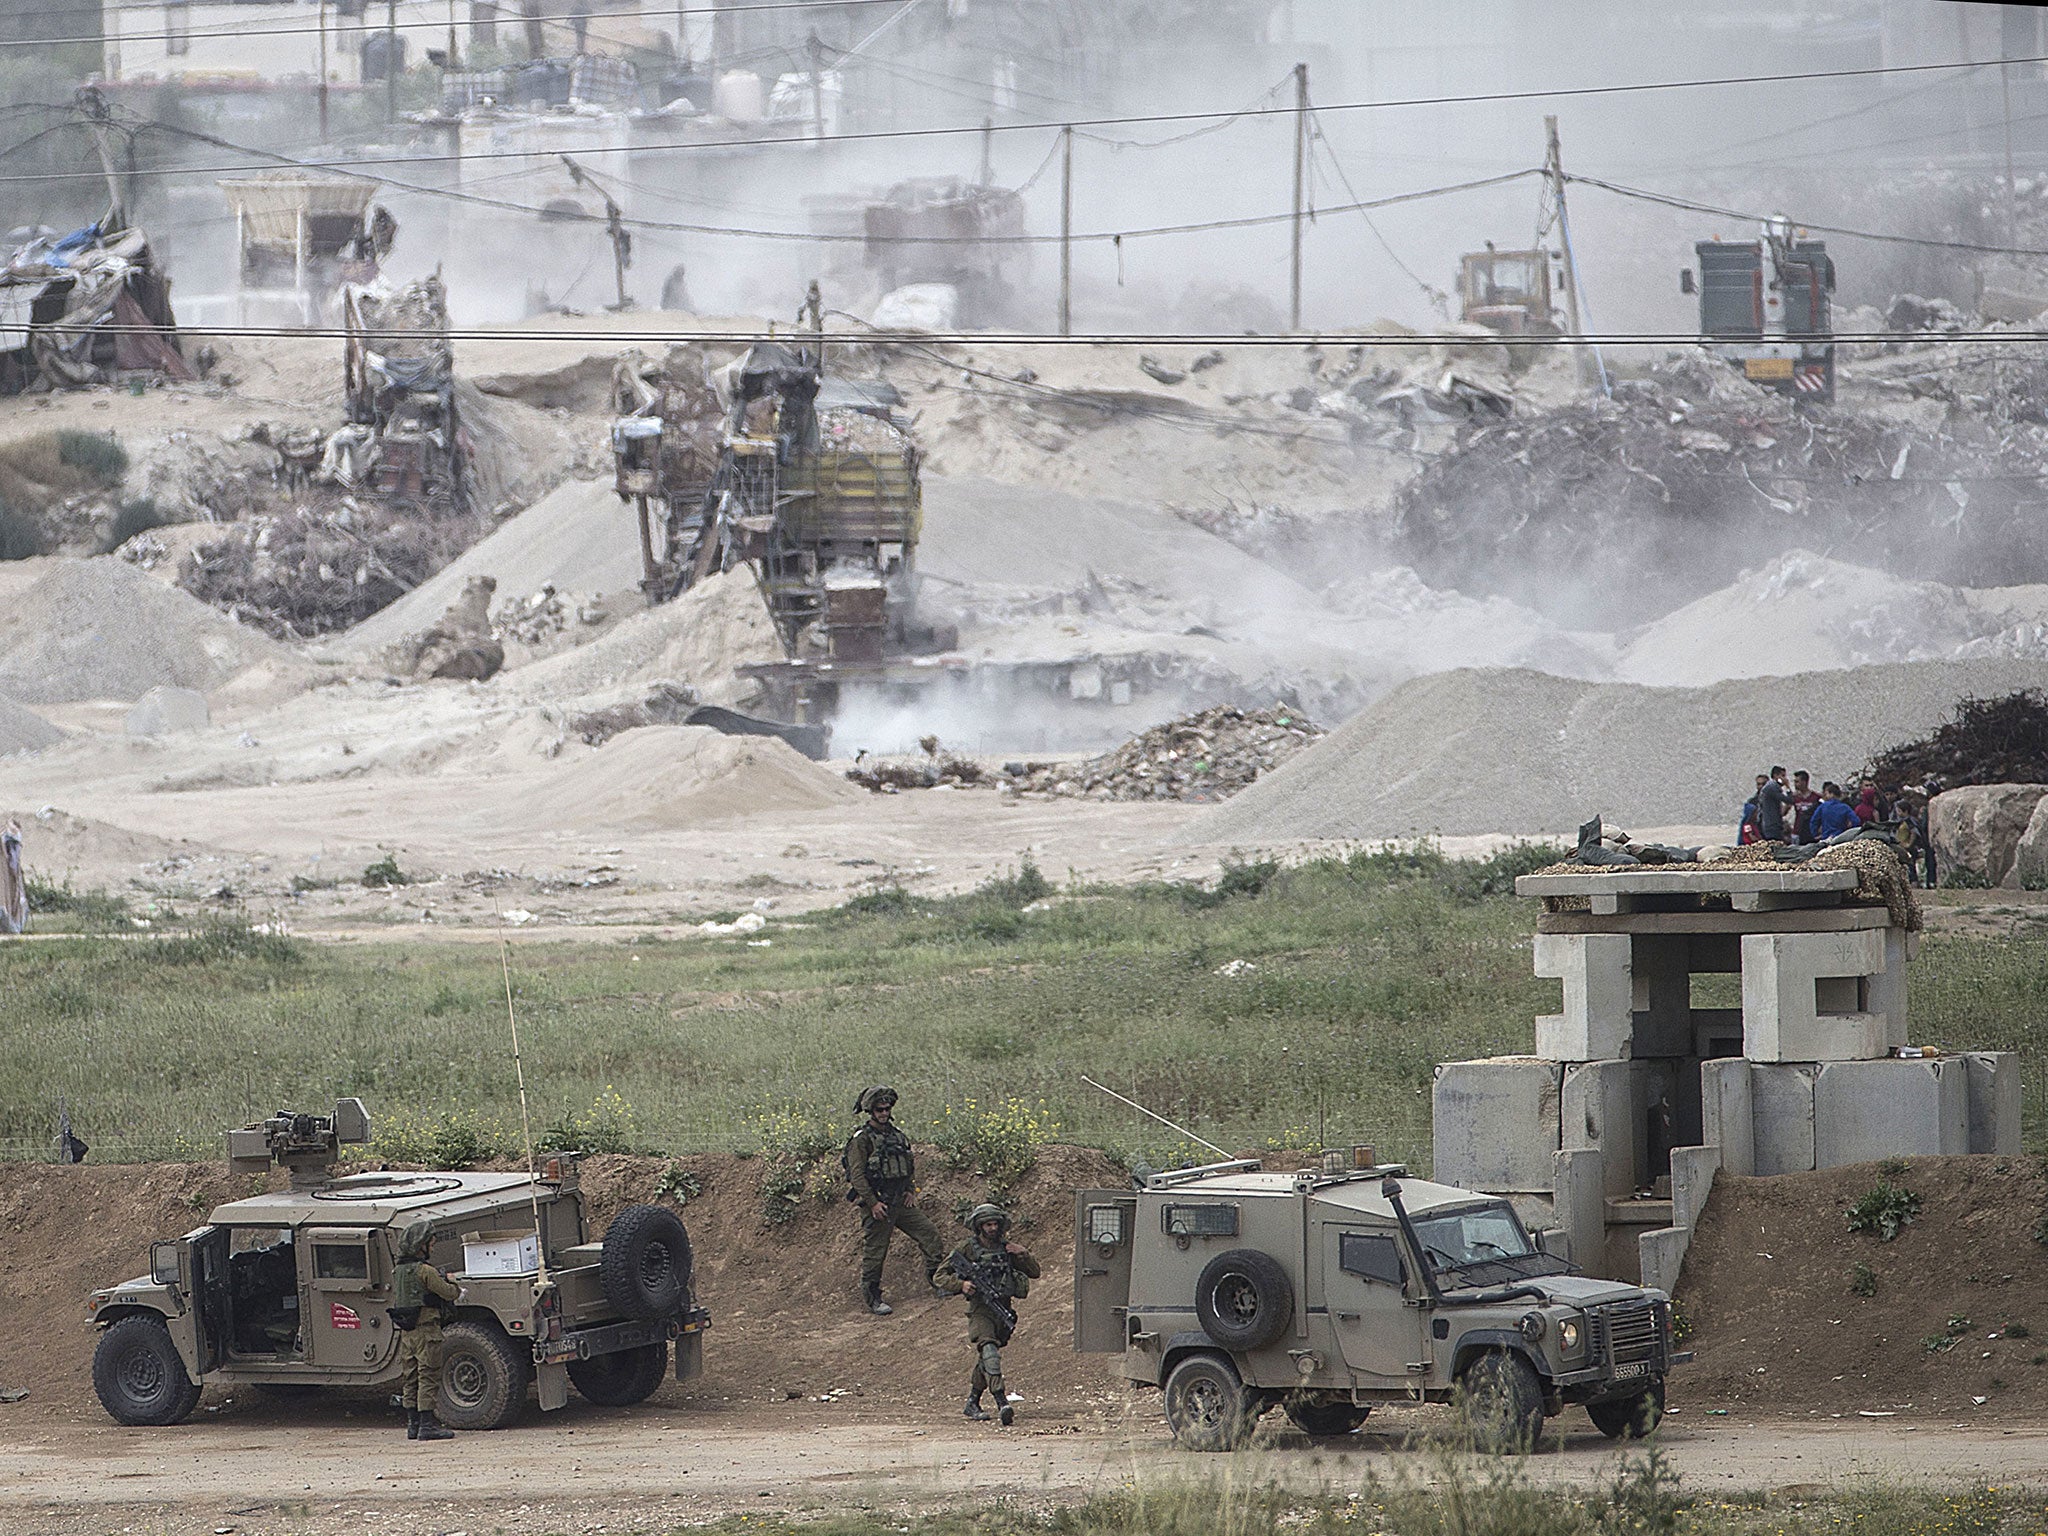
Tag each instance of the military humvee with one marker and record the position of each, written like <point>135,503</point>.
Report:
<point>287,1292</point>
<point>1326,1291</point>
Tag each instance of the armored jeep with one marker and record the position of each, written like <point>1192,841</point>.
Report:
<point>1326,1291</point>
<point>287,1292</point>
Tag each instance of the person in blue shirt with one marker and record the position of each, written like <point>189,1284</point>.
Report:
<point>1832,816</point>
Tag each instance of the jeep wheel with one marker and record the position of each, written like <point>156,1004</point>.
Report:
<point>1502,1402</point>
<point>1208,1407</point>
<point>1318,1416</point>
<point>1244,1299</point>
<point>484,1377</point>
<point>644,1268</point>
<point>138,1375</point>
<point>622,1379</point>
<point>1629,1418</point>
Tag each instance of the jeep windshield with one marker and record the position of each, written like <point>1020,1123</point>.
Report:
<point>1482,1245</point>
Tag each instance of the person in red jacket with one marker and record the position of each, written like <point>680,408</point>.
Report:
<point>1867,807</point>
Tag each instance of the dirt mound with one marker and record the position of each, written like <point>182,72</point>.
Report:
<point>681,775</point>
<point>786,1318</point>
<point>1514,751</point>
<point>1771,1288</point>
<point>100,629</point>
<point>1804,613</point>
<point>578,538</point>
<point>698,639</point>
<point>1206,756</point>
<point>23,730</point>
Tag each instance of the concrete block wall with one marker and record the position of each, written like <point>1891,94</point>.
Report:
<point>1496,1123</point>
<point>1808,997</point>
<point>1597,1022</point>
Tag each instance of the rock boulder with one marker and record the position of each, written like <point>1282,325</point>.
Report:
<point>2030,860</point>
<point>1977,830</point>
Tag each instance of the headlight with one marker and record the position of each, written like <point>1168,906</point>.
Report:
<point>1532,1326</point>
<point>1568,1335</point>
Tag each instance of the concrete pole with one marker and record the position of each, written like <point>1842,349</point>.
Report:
<point>391,61</point>
<point>1553,172</point>
<point>323,71</point>
<point>1067,230</point>
<point>1300,192</point>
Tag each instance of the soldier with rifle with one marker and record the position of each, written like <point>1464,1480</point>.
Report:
<point>992,1273</point>
<point>421,1296</point>
<point>882,1174</point>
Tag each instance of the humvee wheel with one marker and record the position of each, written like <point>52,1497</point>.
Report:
<point>484,1377</point>
<point>1629,1418</point>
<point>621,1379</point>
<point>1324,1418</point>
<point>644,1267</point>
<point>138,1375</point>
<point>1502,1402</point>
<point>1208,1407</point>
<point>1244,1299</point>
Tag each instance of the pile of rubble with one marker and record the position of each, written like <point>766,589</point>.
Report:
<point>1990,741</point>
<point>1201,757</point>
<point>1689,472</point>
<point>888,776</point>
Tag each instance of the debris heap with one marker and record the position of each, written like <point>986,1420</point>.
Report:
<point>2001,740</point>
<point>1201,757</point>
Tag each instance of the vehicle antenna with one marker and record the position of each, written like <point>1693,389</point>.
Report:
<point>1141,1109</point>
<point>519,1072</point>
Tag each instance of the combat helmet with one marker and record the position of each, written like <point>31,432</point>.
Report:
<point>987,1212</point>
<point>872,1099</point>
<point>414,1242</point>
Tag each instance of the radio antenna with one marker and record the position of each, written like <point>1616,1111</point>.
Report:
<point>1141,1109</point>
<point>519,1073</point>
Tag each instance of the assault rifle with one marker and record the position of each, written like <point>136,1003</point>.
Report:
<point>991,1290</point>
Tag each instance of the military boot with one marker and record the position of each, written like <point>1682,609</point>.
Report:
<point>1005,1414</point>
<point>974,1410</point>
<point>432,1428</point>
<point>872,1295</point>
<point>412,1423</point>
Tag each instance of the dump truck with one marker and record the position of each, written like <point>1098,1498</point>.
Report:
<point>1328,1290</point>
<point>288,1291</point>
<point>1764,308</point>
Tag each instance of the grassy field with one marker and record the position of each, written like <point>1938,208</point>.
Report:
<point>1280,1008</point>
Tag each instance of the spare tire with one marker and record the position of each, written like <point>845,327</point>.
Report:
<point>1244,1299</point>
<point>644,1269</point>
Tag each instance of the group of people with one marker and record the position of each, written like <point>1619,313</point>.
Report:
<point>1788,809</point>
<point>991,1272</point>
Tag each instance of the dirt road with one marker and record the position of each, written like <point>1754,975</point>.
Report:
<point>307,1469</point>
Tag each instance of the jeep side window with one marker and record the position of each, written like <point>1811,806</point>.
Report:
<point>1207,1220</point>
<point>1371,1255</point>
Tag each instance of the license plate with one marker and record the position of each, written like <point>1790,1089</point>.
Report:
<point>1630,1369</point>
<point>1768,368</point>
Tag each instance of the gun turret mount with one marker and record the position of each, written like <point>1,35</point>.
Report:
<point>307,1145</point>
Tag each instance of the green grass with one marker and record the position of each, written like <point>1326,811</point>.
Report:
<point>1358,976</point>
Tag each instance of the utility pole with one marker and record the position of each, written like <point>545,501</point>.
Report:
<point>2012,218</point>
<point>1553,173</point>
<point>450,66</point>
<point>1300,190</point>
<point>1067,230</point>
<point>323,71</point>
<point>614,223</point>
<point>988,151</point>
<point>94,107</point>
<point>391,61</point>
<point>817,47</point>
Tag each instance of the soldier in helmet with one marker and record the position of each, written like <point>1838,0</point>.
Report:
<point>992,1273</point>
<point>420,1294</point>
<point>882,1172</point>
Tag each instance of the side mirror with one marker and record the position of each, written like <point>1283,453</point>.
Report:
<point>1685,282</point>
<point>163,1263</point>
<point>1556,1242</point>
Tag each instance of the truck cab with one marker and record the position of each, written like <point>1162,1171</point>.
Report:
<point>290,1289</point>
<point>1326,1291</point>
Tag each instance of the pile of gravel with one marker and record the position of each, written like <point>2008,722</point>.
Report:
<point>101,629</point>
<point>1502,750</point>
<point>22,729</point>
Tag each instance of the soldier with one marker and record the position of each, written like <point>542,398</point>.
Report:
<point>420,1296</point>
<point>992,1273</point>
<point>882,1172</point>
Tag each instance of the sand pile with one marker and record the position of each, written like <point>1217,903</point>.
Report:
<point>698,639</point>
<point>578,538</point>
<point>100,629</point>
<point>1516,751</point>
<point>1805,613</point>
<point>23,730</point>
<point>675,776</point>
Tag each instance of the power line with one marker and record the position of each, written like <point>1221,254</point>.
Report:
<point>1690,205</point>
<point>366,25</point>
<point>1436,296</point>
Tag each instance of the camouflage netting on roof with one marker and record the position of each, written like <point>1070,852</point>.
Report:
<point>1880,875</point>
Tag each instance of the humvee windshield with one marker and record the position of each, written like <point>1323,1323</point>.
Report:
<point>1489,1236</point>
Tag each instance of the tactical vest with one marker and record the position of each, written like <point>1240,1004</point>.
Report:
<point>889,1164</point>
<point>1010,1284</point>
<point>409,1297</point>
